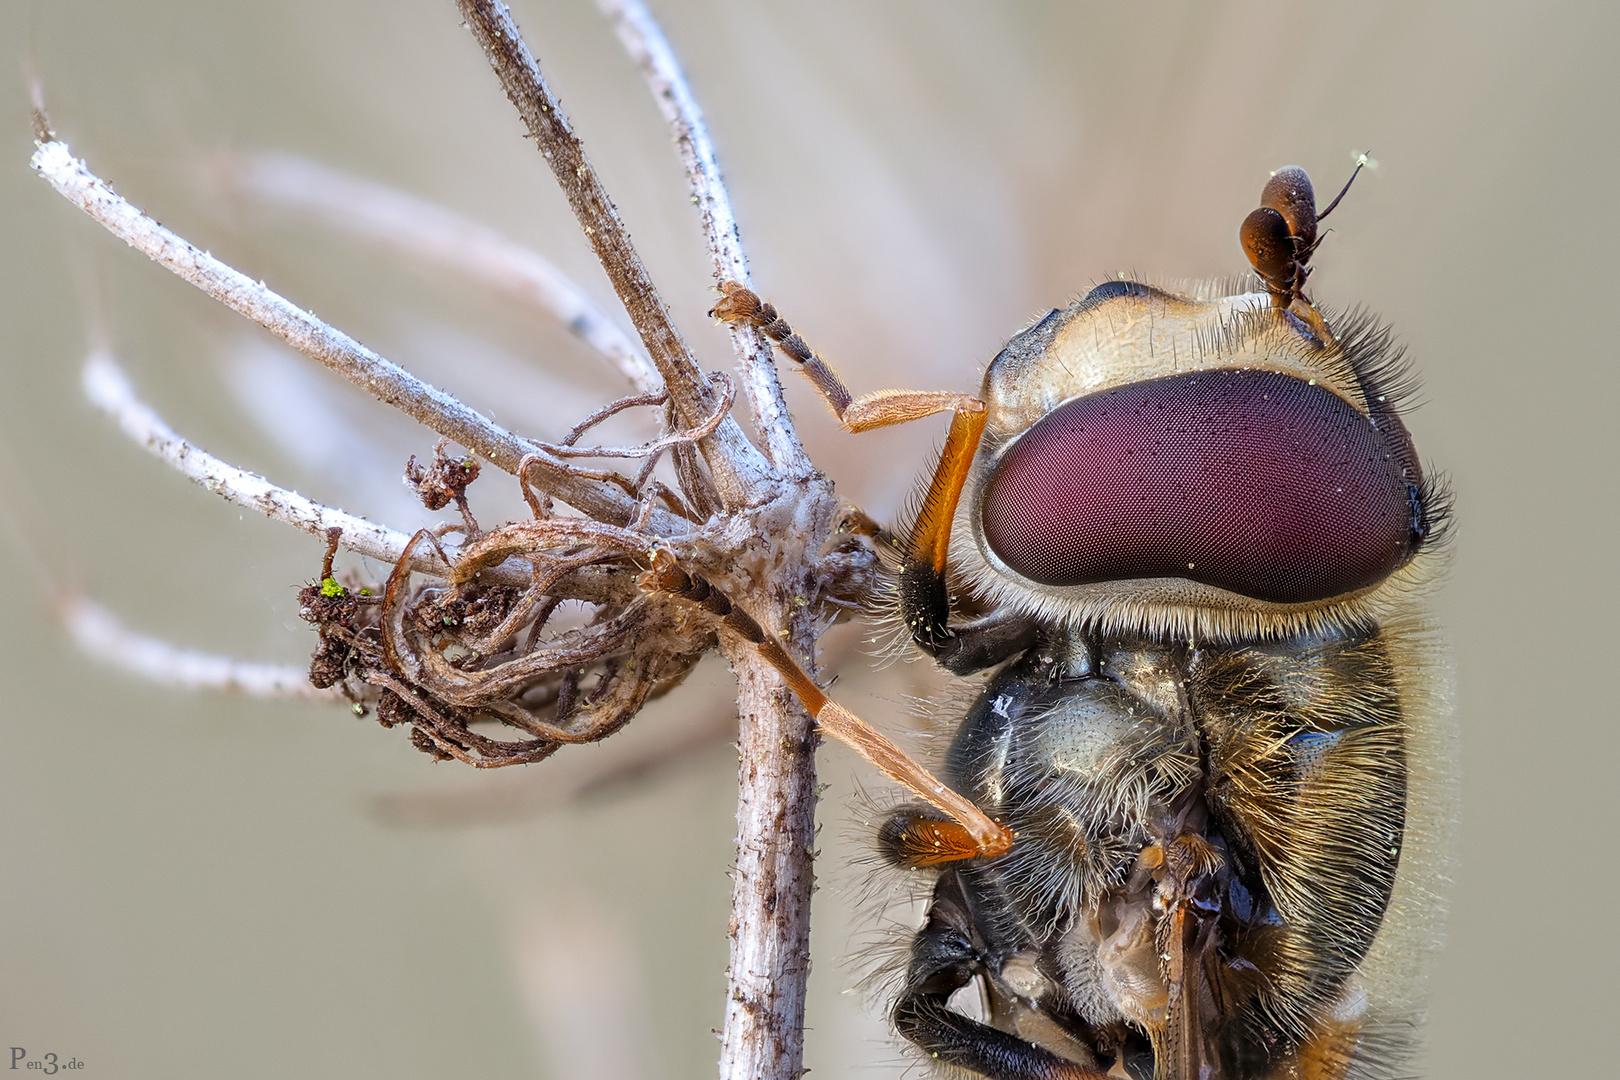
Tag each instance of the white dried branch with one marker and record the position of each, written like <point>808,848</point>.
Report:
<point>107,388</point>
<point>385,380</point>
<point>99,633</point>
<point>437,236</point>
<point>300,329</point>
<point>644,40</point>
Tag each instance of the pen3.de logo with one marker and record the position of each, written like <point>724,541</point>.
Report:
<point>45,1063</point>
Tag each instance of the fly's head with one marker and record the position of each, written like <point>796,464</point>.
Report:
<point>1211,468</point>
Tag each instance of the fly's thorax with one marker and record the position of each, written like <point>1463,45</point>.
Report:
<point>1273,770</point>
<point>1080,748</point>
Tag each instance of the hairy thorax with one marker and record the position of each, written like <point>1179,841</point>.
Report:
<point>1239,806</point>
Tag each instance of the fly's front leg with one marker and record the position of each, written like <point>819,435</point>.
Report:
<point>944,959</point>
<point>971,829</point>
<point>924,590</point>
<point>882,409</point>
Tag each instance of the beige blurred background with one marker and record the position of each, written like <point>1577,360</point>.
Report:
<point>198,886</point>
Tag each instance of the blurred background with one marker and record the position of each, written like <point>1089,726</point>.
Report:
<point>196,885</point>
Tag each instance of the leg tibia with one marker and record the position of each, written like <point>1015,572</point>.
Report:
<point>987,838</point>
<point>889,407</point>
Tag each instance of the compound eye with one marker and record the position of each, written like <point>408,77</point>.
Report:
<point>1255,482</point>
<point>1268,244</point>
<point>1289,192</point>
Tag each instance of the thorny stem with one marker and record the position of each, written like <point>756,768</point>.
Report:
<point>644,40</point>
<point>738,469</point>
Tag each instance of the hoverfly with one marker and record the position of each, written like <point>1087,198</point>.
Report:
<point>1189,533</point>
<point>1182,537</point>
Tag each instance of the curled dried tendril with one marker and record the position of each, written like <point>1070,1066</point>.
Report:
<point>534,635</point>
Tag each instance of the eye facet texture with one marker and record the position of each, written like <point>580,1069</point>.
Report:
<point>1251,481</point>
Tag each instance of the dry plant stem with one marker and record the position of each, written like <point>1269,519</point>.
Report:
<point>658,446</point>
<point>101,635</point>
<point>770,939</point>
<point>763,1034</point>
<point>385,380</point>
<point>108,389</point>
<point>768,969</point>
<point>644,40</point>
<point>433,235</point>
<point>740,473</point>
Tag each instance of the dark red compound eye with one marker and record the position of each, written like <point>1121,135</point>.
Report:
<point>1251,481</point>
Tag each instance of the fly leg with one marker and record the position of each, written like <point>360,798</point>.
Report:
<point>882,409</point>
<point>945,958</point>
<point>924,592</point>
<point>970,828</point>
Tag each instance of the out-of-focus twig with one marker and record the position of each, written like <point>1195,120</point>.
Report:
<point>99,633</point>
<point>437,236</point>
<point>643,751</point>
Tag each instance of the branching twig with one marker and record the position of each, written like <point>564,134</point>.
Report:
<point>770,915</point>
<point>644,40</point>
<point>387,381</point>
<point>108,389</point>
<point>436,235</point>
<point>566,449</point>
<point>739,471</point>
<point>476,643</point>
